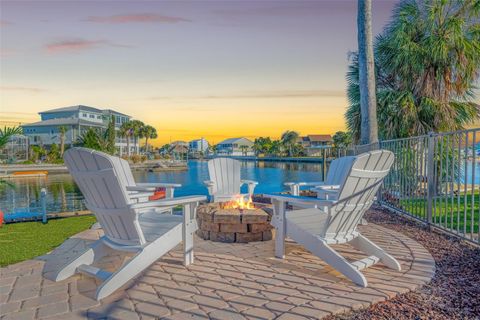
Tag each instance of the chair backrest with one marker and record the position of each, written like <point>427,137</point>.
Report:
<point>338,170</point>
<point>225,173</point>
<point>102,179</point>
<point>357,192</point>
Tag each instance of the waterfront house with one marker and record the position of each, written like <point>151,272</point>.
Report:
<point>235,147</point>
<point>315,143</point>
<point>77,120</point>
<point>198,146</point>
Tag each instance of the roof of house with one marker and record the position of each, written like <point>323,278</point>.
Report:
<point>319,137</point>
<point>61,122</point>
<point>116,112</point>
<point>234,140</point>
<point>73,108</point>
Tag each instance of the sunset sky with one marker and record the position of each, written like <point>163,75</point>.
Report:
<point>213,69</point>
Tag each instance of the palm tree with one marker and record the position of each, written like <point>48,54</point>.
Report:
<point>136,127</point>
<point>5,136</point>
<point>244,149</point>
<point>148,132</point>
<point>366,68</point>
<point>7,133</point>
<point>126,132</point>
<point>427,61</point>
<point>62,130</point>
<point>289,140</point>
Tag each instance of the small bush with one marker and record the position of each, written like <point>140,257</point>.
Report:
<point>135,158</point>
<point>143,158</point>
<point>27,162</point>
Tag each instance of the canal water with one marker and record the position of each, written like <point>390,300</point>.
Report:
<point>64,196</point>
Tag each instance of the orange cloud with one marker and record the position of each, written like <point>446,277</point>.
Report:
<point>138,18</point>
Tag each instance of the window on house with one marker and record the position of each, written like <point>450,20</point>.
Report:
<point>84,115</point>
<point>99,117</point>
<point>92,116</point>
<point>117,119</point>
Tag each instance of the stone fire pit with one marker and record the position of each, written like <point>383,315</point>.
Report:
<point>233,225</point>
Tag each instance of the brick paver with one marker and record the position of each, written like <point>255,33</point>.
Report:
<point>227,281</point>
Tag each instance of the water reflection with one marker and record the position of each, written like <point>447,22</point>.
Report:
<point>64,196</point>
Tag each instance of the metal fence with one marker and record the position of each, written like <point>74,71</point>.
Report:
<point>435,179</point>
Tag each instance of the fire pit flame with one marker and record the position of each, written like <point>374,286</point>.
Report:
<point>239,203</point>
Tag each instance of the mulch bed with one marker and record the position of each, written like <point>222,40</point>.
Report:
<point>453,293</point>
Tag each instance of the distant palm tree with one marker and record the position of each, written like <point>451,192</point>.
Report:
<point>244,150</point>
<point>148,132</point>
<point>289,140</point>
<point>62,130</point>
<point>366,68</point>
<point>125,131</point>
<point>427,62</point>
<point>136,127</point>
<point>5,136</point>
<point>7,133</point>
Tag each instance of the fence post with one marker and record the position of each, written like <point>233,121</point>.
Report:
<point>430,176</point>
<point>43,199</point>
<point>324,164</point>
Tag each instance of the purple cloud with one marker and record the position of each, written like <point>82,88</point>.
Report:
<point>4,23</point>
<point>138,18</point>
<point>76,45</point>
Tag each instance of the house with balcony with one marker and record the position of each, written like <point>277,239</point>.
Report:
<point>314,144</point>
<point>235,147</point>
<point>77,119</point>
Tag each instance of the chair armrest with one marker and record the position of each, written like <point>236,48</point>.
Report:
<point>251,185</point>
<point>210,186</point>
<point>140,195</point>
<point>249,182</point>
<point>137,188</point>
<point>328,187</point>
<point>159,185</point>
<point>302,200</point>
<point>295,186</point>
<point>168,202</point>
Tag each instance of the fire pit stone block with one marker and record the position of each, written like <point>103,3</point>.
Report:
<point>249,237</point>
<point>233,227</point>
<point>259,227</point>
<point>254,216</point>
<point>224,216</point>
<point>228,237</point>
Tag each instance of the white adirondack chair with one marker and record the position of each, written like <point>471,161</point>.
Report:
<point>327,189</point>
<point>225,182</point>
<point>129,225</point>
<point>316,229</point>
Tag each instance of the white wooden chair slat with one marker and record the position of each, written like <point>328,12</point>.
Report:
<point>128,225</point>
<point>317,229</point>
<point>225,179</point>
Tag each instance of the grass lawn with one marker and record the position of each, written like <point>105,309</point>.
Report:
<point>447,212</point>
<point>26,240</point>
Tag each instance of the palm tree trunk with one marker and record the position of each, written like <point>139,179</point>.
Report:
<point>62,144</point>
<point>128,145</point>
<point>146,144</point>
<point>366,64</point>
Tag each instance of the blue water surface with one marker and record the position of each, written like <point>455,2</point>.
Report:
<point>64,196</point>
